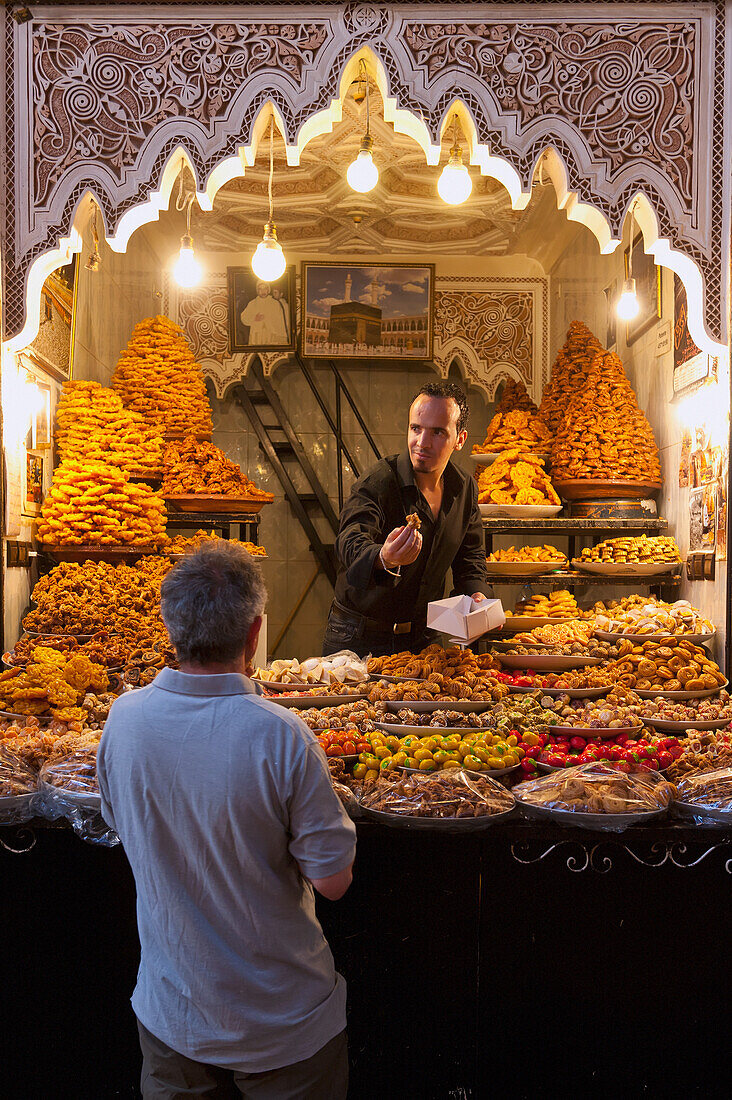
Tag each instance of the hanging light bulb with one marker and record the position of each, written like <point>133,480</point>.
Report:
<point>628,305</point>
<point>268,261</point>
<point>95,260</point>
<point>362,173</point>
<point>454,185</point>
<point>187,271</point>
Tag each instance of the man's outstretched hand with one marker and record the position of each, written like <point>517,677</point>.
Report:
<point>402,547</point>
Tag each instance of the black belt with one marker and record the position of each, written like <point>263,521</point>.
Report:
<point>378,625</point>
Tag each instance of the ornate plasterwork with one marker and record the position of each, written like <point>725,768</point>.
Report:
<point>631,97</point>
<point>491,327</point>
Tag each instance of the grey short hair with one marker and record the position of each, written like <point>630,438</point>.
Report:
<point>209,600</point>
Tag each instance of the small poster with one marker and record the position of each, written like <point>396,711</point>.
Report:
<point>685,460</point>
<point>690,364</point>
<point>703,519</point>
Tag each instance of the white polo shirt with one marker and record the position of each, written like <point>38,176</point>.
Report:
<point>223,802</point>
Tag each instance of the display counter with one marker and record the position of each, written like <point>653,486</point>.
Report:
<point>476,965</point>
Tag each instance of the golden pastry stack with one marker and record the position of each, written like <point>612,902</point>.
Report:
<point>199,467</point>
<point>560,604</point>
<point>568,373</point>
<point>514,396</point>
<point>604,434</point>
<point>93,503</point>
<point>93,424</point>
<point>635,550</point>
<point>516,423</point>
<point>516,478</point>
<point>158,377</point>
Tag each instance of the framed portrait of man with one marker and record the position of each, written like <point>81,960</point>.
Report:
<point>261,314</point>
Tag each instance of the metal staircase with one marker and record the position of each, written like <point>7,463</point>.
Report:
<point>286,454</point>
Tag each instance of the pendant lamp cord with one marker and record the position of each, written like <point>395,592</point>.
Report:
<point>271,164</point>
<point>184,202</point>
<point>363,71</point>
<point>630,246</point>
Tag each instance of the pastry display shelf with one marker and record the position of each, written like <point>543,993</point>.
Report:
<point>230,525</point>
<point>584,580</point>
<point>572,528</point>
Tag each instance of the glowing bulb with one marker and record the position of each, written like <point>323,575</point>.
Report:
<point>454,185</point>
<point>362,174</point>
<point>187,271</point>
<point>628,305</point>
<point>268,261</point>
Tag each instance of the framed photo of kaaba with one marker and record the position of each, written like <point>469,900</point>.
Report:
<point>367,311</point>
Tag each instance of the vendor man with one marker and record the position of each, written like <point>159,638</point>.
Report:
<point>390,568</point>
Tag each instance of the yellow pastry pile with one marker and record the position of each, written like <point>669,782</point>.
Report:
<point>559,604</point>
<point>92,424</point>
<point>516,478</point>
<point>51,683</point>
<point>545,553</point>
<point>93,503</point>
<point>568,373</point>
<point>158,377</point>
<point>604,434</point>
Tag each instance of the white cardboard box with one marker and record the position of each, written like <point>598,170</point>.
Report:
<point>461,617</point>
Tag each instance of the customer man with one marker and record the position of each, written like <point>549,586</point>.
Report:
<point>389,569</point>
<point>225,808</point>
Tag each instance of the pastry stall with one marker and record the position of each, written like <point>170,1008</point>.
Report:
<point>214,324</point>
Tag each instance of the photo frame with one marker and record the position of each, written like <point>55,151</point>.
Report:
<point>367,311</point>
<point>647,277</point>
<point>261,315</point>
<point>34,483</point>
<point>611,316</point>
<point>53,347</point>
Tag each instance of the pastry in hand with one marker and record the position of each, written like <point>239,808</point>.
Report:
<point>414,521</point>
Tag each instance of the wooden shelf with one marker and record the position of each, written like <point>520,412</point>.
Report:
<point>585,580</point>
<point>570,526</point>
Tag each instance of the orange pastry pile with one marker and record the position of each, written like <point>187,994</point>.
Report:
<point>94,503</point>
<point>514,396</point>
<point>516,478</point>
<point>158,377</point>
<point>182,545</point>
<point>193,467</point>
<point>568,373</point>
<point>515,424</point>
<point>93,424</point>
<point>604,434</point>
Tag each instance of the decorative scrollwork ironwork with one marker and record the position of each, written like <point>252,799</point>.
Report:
<point>21,834</point>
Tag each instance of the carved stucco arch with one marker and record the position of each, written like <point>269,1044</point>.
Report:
<point>424,64</point>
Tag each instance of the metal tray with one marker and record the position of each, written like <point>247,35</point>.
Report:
<point>587,732</point>
<point>697,639</point>
<point>424,731</point>
<point>274,685</point>
<point>313,700</point>
<point>690,810</point>
<point>487,774</point>
<point>16,801</point>
<point>424,706</point>
<point>573,693</point>
<point>521,568</point>
<point>625,569</point>
<point>584,820</point>
<point>547,662</point>
<point>675,727</point>
<point>439,824</point>
<point>681,695</point>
